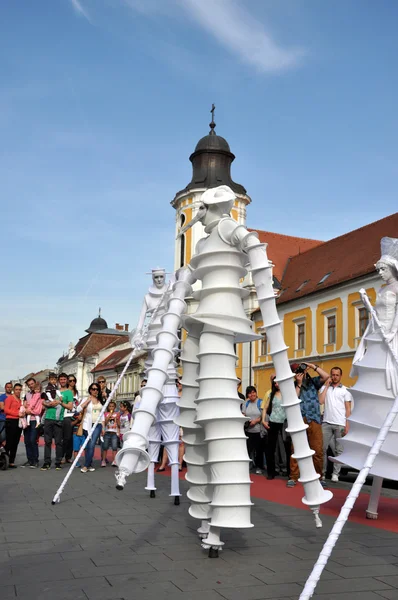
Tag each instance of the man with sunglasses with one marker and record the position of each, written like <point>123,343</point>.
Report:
<point>104,391</point>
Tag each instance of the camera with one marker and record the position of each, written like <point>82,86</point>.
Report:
<point>301,368</point>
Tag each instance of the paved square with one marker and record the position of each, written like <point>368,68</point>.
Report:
<point>102,544</point>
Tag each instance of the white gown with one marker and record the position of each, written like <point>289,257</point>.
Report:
<point>374,393</point>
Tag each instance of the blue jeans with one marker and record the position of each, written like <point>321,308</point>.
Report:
<point>110,440</point>
<point>91,445</point>
<point>31,443</point>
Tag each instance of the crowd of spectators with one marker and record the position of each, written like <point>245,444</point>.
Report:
<point>325,406</point>
<point>64,419</point>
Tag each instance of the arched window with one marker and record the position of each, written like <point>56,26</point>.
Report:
<point>182,242</point>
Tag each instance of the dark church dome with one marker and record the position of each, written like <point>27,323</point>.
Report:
<point>212,141</point>
<point>211,163</point>
<point>97,324</point>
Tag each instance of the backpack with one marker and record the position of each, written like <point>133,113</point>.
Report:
<point>259,402</point>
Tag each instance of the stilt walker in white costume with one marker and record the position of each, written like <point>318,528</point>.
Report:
<point>372,442</point>
<point>163,430</point>
<point>216,454</point>
<point>377,383</point>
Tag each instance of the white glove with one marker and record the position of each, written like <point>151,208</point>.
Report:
<point>137,340</point>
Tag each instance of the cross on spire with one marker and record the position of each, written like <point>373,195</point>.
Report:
<point>99,312</point>
<point>212,124</point>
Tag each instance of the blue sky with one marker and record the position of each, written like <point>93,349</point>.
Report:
<point>101,104</point>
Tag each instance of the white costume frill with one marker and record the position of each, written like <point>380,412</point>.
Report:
<point>215,442</point>
<point>374,393</point>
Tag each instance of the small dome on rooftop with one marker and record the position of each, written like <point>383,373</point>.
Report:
<point>97,324</point>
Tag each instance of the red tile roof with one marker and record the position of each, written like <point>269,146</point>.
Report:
<point>112,360</point>
<point>346,257</point>
<point>119,341</point>
<point>282,247</point>
<point>92,343</point>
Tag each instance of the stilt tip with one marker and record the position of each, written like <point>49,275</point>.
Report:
<point>213,553</point>
<point>152,494</point>
<point>177,501</point>
<point>120,487</point>
<point>371,515</point>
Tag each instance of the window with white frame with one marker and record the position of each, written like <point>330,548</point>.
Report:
<point>264,345</point>
<point>300,335</point>
<point>331,329</point>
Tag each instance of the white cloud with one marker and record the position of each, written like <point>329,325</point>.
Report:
<point>80,10</point>
<point>234,28</point>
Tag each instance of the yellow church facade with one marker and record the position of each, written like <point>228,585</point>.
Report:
<point>319,303</point>
<point>324,330</point>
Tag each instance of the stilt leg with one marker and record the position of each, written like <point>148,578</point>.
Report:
<point>213,542</point>
<point>315,510</point>
<point>371,512</point>
<point>150,485</point>
<point>175,484</point>
<point>204,529</point>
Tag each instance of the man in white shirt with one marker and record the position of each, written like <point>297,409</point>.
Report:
<point>337,400</point>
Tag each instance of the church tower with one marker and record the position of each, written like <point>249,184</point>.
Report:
<point>211,167</point>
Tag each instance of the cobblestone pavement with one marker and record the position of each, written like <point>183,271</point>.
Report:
<point>103,544</point>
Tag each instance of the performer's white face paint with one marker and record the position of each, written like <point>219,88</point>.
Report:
<point>158,280</point>
<point>385,271</point>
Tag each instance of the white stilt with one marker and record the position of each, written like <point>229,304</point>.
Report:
<point>315,512</point>
<point>204,529</point>
<point>213,539</point>
<point>150,485</point>
<point>261,269</point>
<point>373,505</point>
<point>175,481</point>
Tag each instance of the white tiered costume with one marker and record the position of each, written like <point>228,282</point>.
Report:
<point>377,383</point>
<point>216,454</point>
<point>163,430</point>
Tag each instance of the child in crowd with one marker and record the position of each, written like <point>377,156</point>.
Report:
<point>110,431</point>
<point>125,418</point>
<point>22,422</point>
<point>51,388</point>
<point>33,402</point>
<point>78,437</point>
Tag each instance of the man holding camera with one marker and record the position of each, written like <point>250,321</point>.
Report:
<point>307,388</point>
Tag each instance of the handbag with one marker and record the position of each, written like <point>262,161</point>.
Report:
<point>263,431</point>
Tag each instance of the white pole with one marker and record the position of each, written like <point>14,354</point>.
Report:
<point>348,505</point>
<point>138,347</point>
